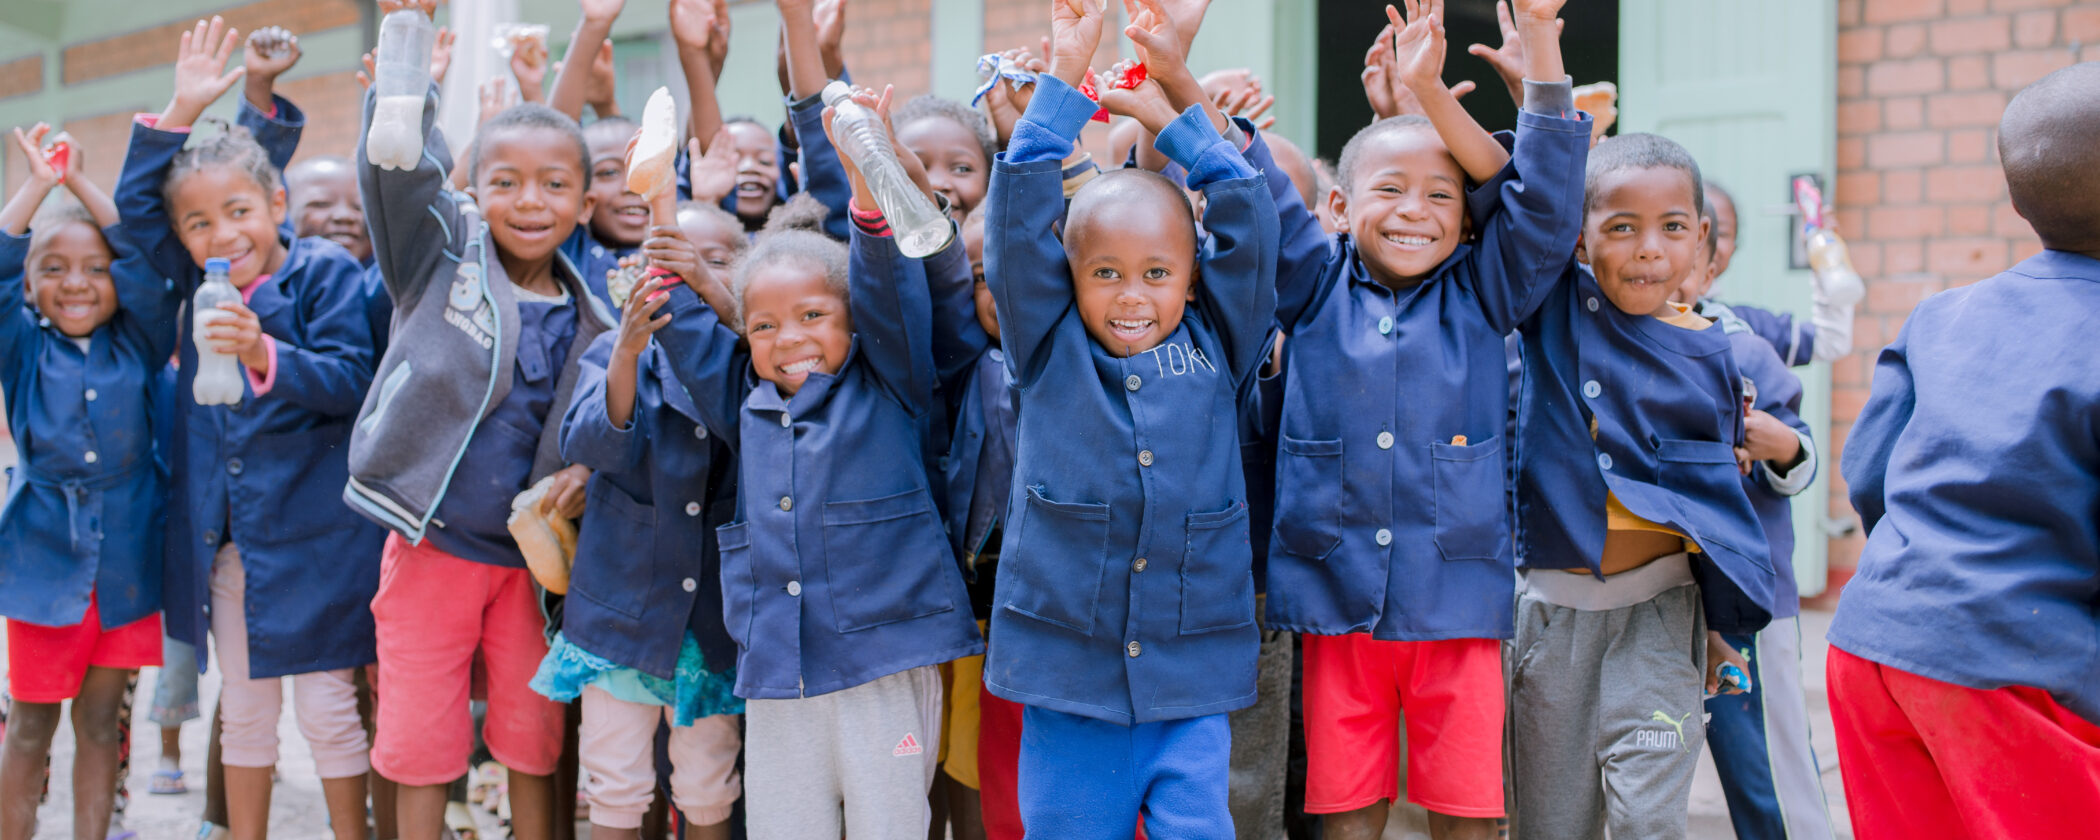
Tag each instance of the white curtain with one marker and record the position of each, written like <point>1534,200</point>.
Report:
<point>474,60</point>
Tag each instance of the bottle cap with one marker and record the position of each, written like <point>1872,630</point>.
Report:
<point>836,92</point>
<point>217,265</point>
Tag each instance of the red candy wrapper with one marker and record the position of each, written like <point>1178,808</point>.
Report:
<point>1132,77</point>
<point>1091,91</point>
<point>59,156</point>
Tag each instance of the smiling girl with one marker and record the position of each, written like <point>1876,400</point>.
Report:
<point>281,571</point>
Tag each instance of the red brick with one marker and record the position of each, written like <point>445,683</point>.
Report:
<point>1972,35</point>
<point>1969,146</point>
<point>2015,70</point>
<point>1902,186</point>
<point>1904,40</point>
<point>1851,82</point>
<point>1912,148</point>
<point>1888,11</point>
<point>1866,258</point>
<point>1966,7</point>
<point>1902,257</point>
<point>154,46</point>
<point>1903,113</point>
<point>1846,373</point>
<point>1849,12</point>
<point>1966,259</point>
<point>1968,72</point>
<point>2082,24</point>
<point>2035,29</point>
<point>2007,222</point>
<point>1947,184</point>
<point>2016,5</point>
<point>1898,78</point>
<point>1859,46</point>
<point>1851,218</point>
<point>1910,222</point>
<point>1847,402</point>
<point>1851,152</point>
<point>1960,110</point>
<point>1898,297</point>
<point>21,76</point>
<point>1969,220</point>
<point>1859,116</point>
<point>1857,187</point>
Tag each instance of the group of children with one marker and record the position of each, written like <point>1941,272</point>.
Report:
<point>985,542</point>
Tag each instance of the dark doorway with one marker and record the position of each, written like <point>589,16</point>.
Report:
<point>1589,47</point>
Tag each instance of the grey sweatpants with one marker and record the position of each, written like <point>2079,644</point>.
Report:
<point>866,754</point>
<point>1605,714</point>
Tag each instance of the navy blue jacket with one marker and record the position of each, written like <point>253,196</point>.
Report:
<point>1125,588</point>
<point>1794,341</point>
<point>647,571</point>
<point>1778,394</point>
<point>836,571</point>
<point>1387,522</point>
<point>267,473</point>
<point>86,497</point>
<point>980,464</point>
<point>1975,467</point>
<point>1667,402</point>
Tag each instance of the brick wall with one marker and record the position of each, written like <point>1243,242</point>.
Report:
<point>1920,198</point>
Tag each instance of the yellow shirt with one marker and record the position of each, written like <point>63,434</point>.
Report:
<point>1616,516</point>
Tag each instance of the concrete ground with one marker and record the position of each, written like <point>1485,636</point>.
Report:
<point>296,812</point>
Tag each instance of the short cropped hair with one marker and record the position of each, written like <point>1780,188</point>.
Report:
<point>230,145</point>
<point>2051,157</point>
<point>1345,168</point>
<point>794,233</point>
<point>928,106</point>
<point>1639,151</point>
<point>530,116</point>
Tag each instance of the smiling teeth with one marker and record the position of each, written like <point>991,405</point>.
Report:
<point>1413,241</point>
<point>1131,326</point>
<point>804,366</point>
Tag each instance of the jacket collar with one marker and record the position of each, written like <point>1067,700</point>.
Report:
<point>2059,264</point>
<point>1650,329</point>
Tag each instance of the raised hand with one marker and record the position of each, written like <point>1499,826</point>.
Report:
<point>1006,101</point>
<point>270,51</point>
<point>601,11</point>
<point>830,16</point>
<point>427,7</point>
<point>1075,32</point>
<point>863,197</point>
<point>718,42</point>
<point>1249,103</point>
<point>31,145</point>
<point>602,90</point>
<point>495,95</point>
<point>200,74</point>
<point>441,53</point>
<point>1147,102</point>
<point>1420,45</point>
<point>638,319</point>
<point>1188,17</point>
<point>713,170</point>
<point>1508,60</point>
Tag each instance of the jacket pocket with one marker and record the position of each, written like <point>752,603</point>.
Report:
<point>1217,572</point>
<point>1309,496</point>
<point>1702,473</point>
<point>1472,516</point>
<point>1060,551</point>
<point>615,551</point>
<point>738,583</point>
<point>886,560</point>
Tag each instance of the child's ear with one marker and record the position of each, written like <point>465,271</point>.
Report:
<point>1195,277</point>
<point>590,202</point>
<point>1582,252</point>
<point>278,205</point>
<point>1338,207</point>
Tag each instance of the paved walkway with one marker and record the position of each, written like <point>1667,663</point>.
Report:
<point>296,812</point>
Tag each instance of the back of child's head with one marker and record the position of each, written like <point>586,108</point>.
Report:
<point>528,117</point>
<point>232,147</point>
<point>1295,165</point>
<point>1638,151</point>
<point>794,235</point>
<point>707,215</point>
<point>2049,141</point>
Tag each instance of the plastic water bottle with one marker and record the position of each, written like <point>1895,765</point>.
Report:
<point>218,374</point>
<point>919,226</point>
<point>1837,283</point>
<point>402,72</point>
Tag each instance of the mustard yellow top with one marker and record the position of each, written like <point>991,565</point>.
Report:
<point>1616,516</point>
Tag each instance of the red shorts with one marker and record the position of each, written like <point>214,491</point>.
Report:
<point>434,614</point>
<point>1924,758</point>
<point>1452,692</point>
<point>46,664</point>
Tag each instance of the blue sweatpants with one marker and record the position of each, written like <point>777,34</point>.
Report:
<point>1760,744</point>
<point>1088,779</point>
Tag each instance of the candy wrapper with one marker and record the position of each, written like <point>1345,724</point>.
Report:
<point>59,156</point>
<point>1131,77</point>
<point>1092,89</point>
<point>507,35</point>
<point>621,282</point>
<point>993,67</point>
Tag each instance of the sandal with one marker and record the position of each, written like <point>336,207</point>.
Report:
<point>168,782</point>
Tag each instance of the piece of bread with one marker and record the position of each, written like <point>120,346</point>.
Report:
<point>649,171</point>
<point>548,542</point>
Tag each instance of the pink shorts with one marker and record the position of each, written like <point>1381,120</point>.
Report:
<point>47,664</point>
<point>434,612</point>
<point>1356,688</point>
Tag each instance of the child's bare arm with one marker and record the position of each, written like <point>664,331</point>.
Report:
<point>806,72</point>
<point>1538,27</point>
<point>1421,49</point>
<point>701,30</point>
<point>572,86</point>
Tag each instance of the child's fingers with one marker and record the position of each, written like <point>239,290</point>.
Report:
<point>1462,88</point>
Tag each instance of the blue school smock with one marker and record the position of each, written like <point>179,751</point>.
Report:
<point>1667,402</point>
<point>593,259</point>
<point>1391,512</point>
<point>268,472</point>
<point>1779,394</point>
<point>1126,591</point>
<point>1794,341</point>
<point>647,569</point>
<point>85,499</point>
<point>979,467</point>
<point>1975,468</point>
<point>836,571</point>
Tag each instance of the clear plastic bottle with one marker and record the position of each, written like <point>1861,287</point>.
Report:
<point>1832,261</point>
<point>218,379</point>
<point>401,78</point>
<point>919,226</point>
